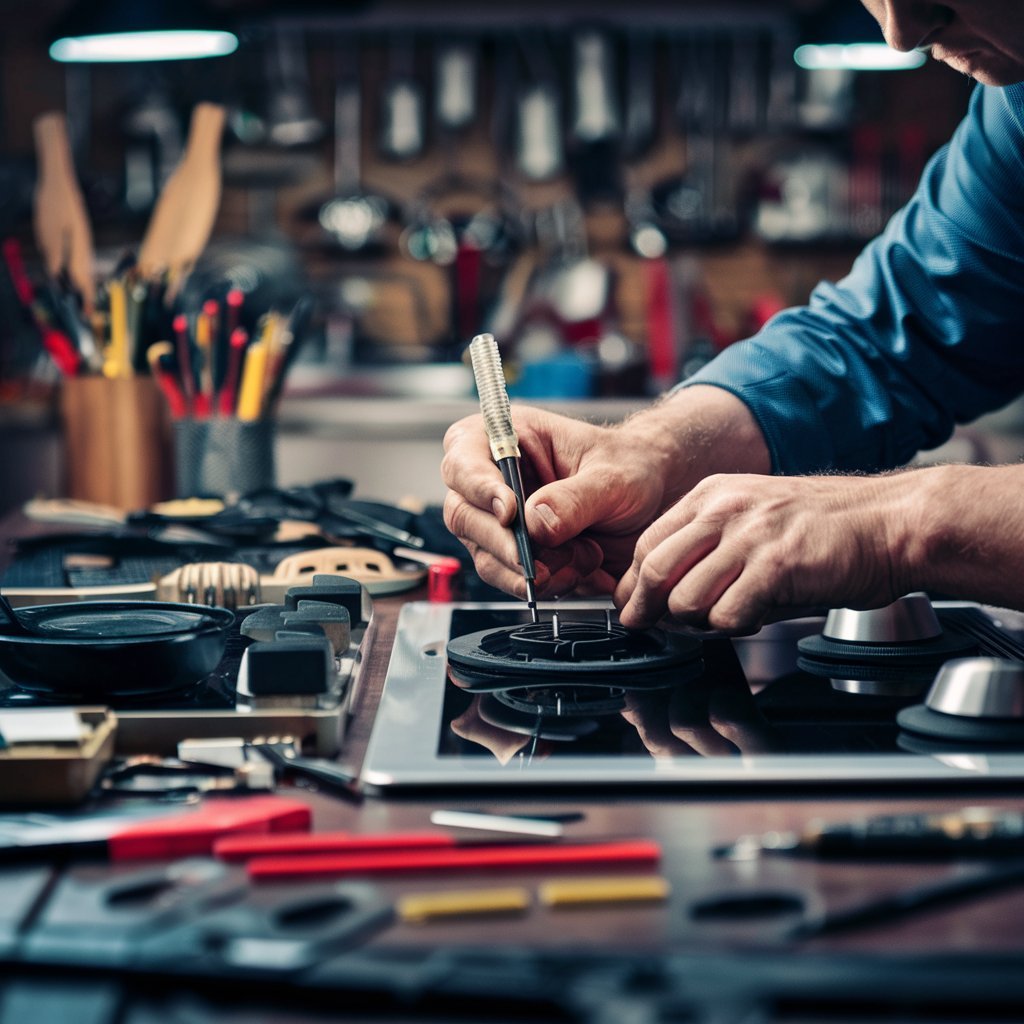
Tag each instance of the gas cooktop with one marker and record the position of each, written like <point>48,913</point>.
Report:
<point>219,705</point>
<point>477,694</point>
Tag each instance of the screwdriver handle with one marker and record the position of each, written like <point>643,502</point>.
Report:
<point>494,405</point>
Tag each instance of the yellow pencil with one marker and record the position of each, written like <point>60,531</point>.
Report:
<point>204,343</point>
<point>250,391</point>
<point>117,362</point>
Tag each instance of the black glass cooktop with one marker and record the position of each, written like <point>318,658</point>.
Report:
<point>720,712</point>
<point>478,693</point>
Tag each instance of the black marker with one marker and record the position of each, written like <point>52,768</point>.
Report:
<point>891,907</point>
<point>968,832</point>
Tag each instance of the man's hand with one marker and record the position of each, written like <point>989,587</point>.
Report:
<point>739,548</point>
<point>592,489</point>
<point>591,493</point>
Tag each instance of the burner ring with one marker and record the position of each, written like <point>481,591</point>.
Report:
<point>821,655</point>
<point>924,721</point>
<point>919,676</point>
<point>583,654</point>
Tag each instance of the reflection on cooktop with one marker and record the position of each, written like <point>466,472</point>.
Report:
<point>726,712</point>
<point>515,692</point>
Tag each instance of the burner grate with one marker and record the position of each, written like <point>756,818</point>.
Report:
<point>576,653</point>
<point>570,641</point>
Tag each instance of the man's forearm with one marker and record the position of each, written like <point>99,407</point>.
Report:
<point>696,432</point>
<point>967,538</point>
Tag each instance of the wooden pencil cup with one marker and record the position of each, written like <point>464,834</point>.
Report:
<point>117,447</point>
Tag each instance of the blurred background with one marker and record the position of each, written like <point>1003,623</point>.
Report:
<point>616,191</point>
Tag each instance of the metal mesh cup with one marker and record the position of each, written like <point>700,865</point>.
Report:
<point>223,456</point>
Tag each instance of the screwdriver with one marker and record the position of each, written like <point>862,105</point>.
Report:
<point>968,832</point>
<point>490,386</point>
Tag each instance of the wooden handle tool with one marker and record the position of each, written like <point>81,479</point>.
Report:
<point>59,217</point>
<point>182,220</point>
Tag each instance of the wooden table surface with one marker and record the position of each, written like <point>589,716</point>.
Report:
<point>689,826</point>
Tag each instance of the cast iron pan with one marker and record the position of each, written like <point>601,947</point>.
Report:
<point>99,649</point>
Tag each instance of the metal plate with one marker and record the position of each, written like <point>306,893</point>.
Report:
<point>817,737</point>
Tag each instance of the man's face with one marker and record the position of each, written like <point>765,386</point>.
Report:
<point>980,38</point>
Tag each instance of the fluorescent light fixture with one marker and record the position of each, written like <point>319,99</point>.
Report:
<point>856,57</point>
<point>182,44</point>
<point>103,31</point>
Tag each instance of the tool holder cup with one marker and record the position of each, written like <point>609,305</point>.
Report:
<point>223,456</point>
<point>116,441</point>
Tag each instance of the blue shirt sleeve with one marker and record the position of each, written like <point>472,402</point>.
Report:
<point>927,329</point>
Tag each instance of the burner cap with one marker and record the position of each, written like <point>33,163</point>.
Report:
<point>910,618</point>
<point>580,653</point>
<point>978,700</point>
<point>979,688</point>
<point>905,635</point>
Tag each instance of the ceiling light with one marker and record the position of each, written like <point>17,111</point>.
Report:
<point>845,37</point>
<point>855,57</point>
<point>127,30</point>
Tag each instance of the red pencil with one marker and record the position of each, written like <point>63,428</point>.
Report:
<point>236,848</point>
<point>159,355</point>
<point>62,350</point>
<point>233,300</point>
<point>183,347</point>
<point>229,388</point>
<point>514,857</point>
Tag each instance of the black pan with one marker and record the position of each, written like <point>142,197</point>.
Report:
<point>100,649</point>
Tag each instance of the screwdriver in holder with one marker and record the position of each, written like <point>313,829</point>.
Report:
<point>494,406</point>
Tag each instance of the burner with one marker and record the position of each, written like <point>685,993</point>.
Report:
<point>573,653</point>
<point>973,700</point>
<point>900,645</point>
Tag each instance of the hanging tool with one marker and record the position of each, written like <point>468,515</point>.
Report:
<point>490,385</point>
<point>59,218</point>
<point>184,214</point>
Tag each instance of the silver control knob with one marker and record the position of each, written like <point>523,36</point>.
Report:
<point>979,688</point>
<point>908,619</point>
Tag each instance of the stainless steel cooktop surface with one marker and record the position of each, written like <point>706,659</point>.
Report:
<point>477,695</point>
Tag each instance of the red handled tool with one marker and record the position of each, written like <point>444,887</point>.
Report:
<point>62,350</point>
<point>165,836</point>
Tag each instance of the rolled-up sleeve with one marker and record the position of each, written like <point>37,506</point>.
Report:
<point>927,329</point>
